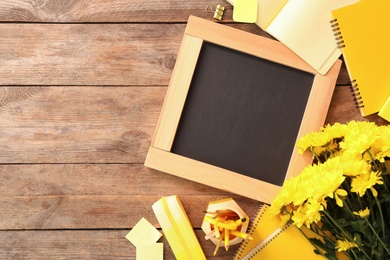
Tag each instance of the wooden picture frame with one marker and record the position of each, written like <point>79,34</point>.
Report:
<point>198,35</point>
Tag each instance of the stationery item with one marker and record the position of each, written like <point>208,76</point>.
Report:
<point>385,110</point>
<point>366,57</point>
<point>143,233</point>
<point>303,26</point>
<point>271,241</point>
<point>177,228</point>
<point>218,12</point>
<point>150,251</point>
<point>245,11</point>
<point>225,218</point>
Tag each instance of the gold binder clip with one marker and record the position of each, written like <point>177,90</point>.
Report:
<point>218,12</point>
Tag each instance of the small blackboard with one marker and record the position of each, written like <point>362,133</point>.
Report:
<point>234,109</point>
<point>241,115</point>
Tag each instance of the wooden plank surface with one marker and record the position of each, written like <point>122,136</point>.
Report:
<point>84,244</point>
<point>107,11</point>
<point>81,87</point>
<point>77,124</point>
<point>94,54</point>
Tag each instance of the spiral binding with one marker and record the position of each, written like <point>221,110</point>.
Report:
<point>356,94</point>
<point>265,242</point>
<point>252,227</point>
<point>337,34</point>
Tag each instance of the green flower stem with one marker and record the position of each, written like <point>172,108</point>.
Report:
<point>344,232</point>
<point>353,252</point>
<point>324,234</point>
<point>377,236</point>
<point>381,215</point>
<point>329,150</point>
<point>314,154</point>
<point>372,159</point>
<point>348,207</point>
<point>316,247</point>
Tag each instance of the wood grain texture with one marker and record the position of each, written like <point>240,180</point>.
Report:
<point>78,196</point>
<point>93,54</point>
<point>77,124</point>
<point>98,212</point>
<point>107,11</point>
<point>86,244</point>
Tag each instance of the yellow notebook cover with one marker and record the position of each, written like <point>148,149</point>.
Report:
<point>272,242</point>
<point>364,37</point>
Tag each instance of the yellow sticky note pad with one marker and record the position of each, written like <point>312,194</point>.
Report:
<point>143,233</point>
<point>150,251</point>
<point>245,11</point>
<point>385,110</point>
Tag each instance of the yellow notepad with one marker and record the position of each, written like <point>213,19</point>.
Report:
<point>273,242</point>
<point>177,228</point>
<point>303,26</point>
<point>143,233</point>
<point>364,32</point>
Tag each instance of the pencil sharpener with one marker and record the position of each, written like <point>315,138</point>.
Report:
<point>224,209</point>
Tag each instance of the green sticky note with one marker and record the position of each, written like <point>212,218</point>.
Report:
<point>245,11</point>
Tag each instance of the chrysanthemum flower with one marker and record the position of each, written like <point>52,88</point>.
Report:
<point>362,213</point>
<point>344,245</point>
<point>366,181</point>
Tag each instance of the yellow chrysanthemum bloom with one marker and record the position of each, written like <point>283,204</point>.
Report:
<point>359,137</point>
<point>381,148</point>
<point>363,182</point>
<point>336,130</point>
<point>337,193</point>
<point>349,165</point>
<point>344,245</point>
<point>362,213</point>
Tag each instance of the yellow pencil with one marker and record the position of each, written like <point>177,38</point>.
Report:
<point>218,245</point>
<point>241,234</point>
<point>226,231</point>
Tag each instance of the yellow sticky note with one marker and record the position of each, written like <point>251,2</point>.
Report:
<point>245,11</point>
<point>150,251</point>
<point>143,233</point>
<point>385,110</point>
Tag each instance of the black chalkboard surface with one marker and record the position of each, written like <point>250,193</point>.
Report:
<point>242,113</point>
<point>234,109</point>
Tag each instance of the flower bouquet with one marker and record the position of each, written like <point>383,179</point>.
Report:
<point>343,197</point>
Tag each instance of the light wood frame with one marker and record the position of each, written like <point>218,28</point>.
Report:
<point>161,158</point>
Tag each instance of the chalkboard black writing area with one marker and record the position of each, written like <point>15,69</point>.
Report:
<point>242,113</point>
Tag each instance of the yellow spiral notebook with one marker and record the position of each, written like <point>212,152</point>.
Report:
<point>273,242</point>
<point>362,32</point>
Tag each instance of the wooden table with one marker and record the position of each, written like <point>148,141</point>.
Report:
<point>82,85</point>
